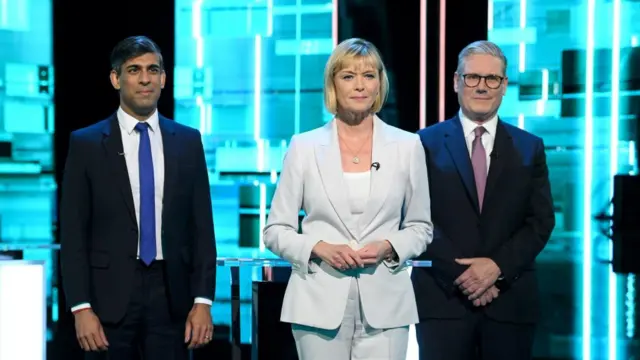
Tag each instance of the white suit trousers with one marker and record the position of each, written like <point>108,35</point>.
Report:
<point>353,340</point>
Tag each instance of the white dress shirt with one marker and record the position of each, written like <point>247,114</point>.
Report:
<point>488,137</point>
<point>130,145</point>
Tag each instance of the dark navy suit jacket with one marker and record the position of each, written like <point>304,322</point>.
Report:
<point>99,230</point>
<point>514,226</point>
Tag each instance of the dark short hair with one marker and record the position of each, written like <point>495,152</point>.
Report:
<point>132,47</point>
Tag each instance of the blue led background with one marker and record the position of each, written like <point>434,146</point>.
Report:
<point>572,82</point>
<point>249,75</point>
<point>27,183</point>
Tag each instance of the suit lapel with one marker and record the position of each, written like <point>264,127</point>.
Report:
<point>381,179</point>
<point>171,152</point>
<point>503,145</point>
<point>112,144</point>
<point>457,147</point>
<point>329,162</point>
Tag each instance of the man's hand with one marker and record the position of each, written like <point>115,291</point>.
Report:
<point>376,252</point>
<point>89,331</point>
<point>481,274</point>
<point>341,257</point>
<point>199,327</point>
<point>487,296</point>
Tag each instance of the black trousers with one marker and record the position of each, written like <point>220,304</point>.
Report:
<point>147,331</point>
<point>474,337</point>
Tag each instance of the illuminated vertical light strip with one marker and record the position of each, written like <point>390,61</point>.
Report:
<point>523,25</point>
<point>4,10</point>
<point>634,41</point>
<point>297,68</point>
<point>490,15</point>
<point>257,94</point>
<point>269,18</point>
<point>442,59</point>
<point>334,23</point>
<point>263,213</point>
<point>588,180</point>
<point>521,121</point>
<point>540,105</point>
<point>196,28</point>
<point>423,63</point>
<point>632,155</point>
<point>202,114</point>
<point>613,170</point>
<point>630,303</point>
<point>209,118</point>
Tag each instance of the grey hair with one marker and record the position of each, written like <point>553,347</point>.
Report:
<point>481,47</point>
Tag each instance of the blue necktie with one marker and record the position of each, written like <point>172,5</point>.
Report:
<point>147,197</point>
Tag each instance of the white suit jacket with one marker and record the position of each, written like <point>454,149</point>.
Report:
<point>398,210</point>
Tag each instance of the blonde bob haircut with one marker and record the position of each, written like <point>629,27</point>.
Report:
<point>343,56</point>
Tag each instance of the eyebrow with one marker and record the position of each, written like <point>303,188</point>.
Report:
<point>353,72</point>
<point>137,66</point>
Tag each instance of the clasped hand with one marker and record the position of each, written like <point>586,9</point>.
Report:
<point>477,282</point>
<point>344,257</point>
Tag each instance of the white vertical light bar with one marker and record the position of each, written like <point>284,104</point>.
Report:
<point>521,121</point>
<point>269,18</point>
<point>257,101</point>
<point>523,25</point>
<point>587,253</point>
<point>196,27</point>
<point>613,170</point>
<point>202,115</point>
<point>634,41</point>
<point>334,23</point>
<point>297,68</point>
<point>4,12</point>
<point>442,59</point>
<point>423,63</point>
<point>630,303</point>
<point>23,325</point>
<point>490,15</point>
<point>540,105</point>
<point>263,213</point>
<point>257,86</point>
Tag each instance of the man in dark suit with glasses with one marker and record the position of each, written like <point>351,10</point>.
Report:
<point>492,213</point>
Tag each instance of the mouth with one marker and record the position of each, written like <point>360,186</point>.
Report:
<point>145,92</point>
<point>359,98</point>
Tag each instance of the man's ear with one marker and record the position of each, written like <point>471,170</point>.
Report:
<point>115,79</point>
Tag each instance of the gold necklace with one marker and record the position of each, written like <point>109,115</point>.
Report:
<point>355,159</point>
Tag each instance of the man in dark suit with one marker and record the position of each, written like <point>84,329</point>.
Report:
<point>138,249</point>
<point>492,213</point>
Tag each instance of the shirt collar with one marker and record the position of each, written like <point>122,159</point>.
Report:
<point>128,122</point>
<point>468,126</point>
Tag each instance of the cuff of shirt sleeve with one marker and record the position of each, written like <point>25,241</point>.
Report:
<point>79,307</point>
<point>201,300</point>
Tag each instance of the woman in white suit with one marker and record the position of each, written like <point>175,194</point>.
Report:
<point>364,190</point>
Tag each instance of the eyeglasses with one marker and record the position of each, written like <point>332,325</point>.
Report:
<point>492,81</point>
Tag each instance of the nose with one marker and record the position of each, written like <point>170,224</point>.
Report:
<point>359,83</point>
<point>144,77</point>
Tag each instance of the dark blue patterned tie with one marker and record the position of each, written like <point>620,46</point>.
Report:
<point>147,197</point>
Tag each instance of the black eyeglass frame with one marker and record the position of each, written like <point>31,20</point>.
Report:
<point>485,78</point>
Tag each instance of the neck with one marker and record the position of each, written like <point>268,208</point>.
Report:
<point>140,115</point>
<point>479,118</point>
<point>355,130</point>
